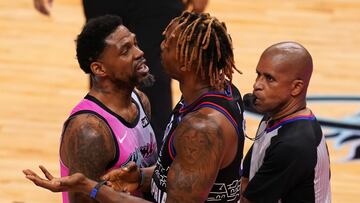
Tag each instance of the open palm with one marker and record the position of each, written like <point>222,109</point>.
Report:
<point>73,183</point>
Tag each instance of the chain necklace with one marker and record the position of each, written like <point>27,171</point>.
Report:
<point>271,122</point>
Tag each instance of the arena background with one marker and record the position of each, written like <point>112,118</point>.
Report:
<point>40,80</point>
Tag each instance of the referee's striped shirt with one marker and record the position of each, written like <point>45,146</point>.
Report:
<point>289,162</point>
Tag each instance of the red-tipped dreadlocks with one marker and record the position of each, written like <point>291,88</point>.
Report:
<point>203,43</point>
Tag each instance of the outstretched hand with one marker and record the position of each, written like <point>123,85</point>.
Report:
<point>74,183</point>
<point>125,179</point>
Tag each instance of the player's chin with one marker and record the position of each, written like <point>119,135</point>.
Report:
<point>146,80</point>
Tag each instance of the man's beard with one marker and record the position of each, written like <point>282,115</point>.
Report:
<point>135,81</point>
<point>147,81</point>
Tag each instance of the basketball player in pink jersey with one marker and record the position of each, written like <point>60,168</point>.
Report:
<point>111,126</point>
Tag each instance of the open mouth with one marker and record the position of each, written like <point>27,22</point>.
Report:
<point>142,67</point>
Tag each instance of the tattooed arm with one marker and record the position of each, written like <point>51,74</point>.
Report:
<point>87,147</point>
<point>199,149</point>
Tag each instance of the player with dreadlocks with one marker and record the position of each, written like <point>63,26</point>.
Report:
<point>204,44</point>
<point>203,144</point>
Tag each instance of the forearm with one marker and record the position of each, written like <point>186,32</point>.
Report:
<point>147,172</point>
<point>79,196</point>
<point>106,194</point>
<point>80,192</point>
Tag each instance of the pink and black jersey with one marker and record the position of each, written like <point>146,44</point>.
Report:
<point>134,141</point>
<point>226,187</point>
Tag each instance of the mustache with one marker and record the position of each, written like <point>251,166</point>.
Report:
<point>140,61</point>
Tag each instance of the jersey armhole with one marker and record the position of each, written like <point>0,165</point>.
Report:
<point>117,150</point>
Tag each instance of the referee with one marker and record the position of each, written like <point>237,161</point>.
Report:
<point>289,160</point>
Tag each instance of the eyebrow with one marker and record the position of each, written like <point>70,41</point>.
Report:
<point>127,42</point>
<point>269,75</point>
<point>265,74</point>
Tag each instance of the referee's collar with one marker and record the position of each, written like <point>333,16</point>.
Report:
<point>284,121</point>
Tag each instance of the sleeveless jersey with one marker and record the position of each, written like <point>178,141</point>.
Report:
<point>227,185</point>
<point>133,141</point>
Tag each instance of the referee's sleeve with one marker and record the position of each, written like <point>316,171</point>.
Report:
<point>284,164</point>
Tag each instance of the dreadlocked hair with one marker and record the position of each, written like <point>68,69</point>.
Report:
<point>204,44</point>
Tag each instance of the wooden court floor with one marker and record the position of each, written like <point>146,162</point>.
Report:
<point>40,80</point>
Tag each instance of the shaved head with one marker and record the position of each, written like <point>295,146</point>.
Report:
<point>291,58</point>
<point>284,71</point>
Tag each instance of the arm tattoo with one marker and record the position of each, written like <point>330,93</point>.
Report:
<point>89,147</point>
<point>199,150</point>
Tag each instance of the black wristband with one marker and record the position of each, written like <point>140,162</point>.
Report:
<point>96,189</point>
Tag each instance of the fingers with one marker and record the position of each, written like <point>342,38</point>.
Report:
<point>29,172</point>
<point>128,174</point>
<point>41,7</point>
<point>108,183</point>
<point>106,176</point>
<point>130,167</point>
<point>115,173</point>
<point>53,186</point>
<point>50,3</point>
<point>32,178</point>
<point>46,173</point>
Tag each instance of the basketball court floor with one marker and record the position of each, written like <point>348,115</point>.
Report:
<point>40,80</point>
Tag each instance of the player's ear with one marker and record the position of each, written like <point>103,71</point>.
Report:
<point>182,68</point>
<point>97,68</point>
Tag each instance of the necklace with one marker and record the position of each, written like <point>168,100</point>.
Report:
<point>270,122</point>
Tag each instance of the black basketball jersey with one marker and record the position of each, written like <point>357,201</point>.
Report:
<point>227,185</point>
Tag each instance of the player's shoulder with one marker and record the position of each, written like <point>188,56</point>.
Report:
<point>85,118</point>
<point>199,130</point>
<point>86,125</point>
<point>199,118</point>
